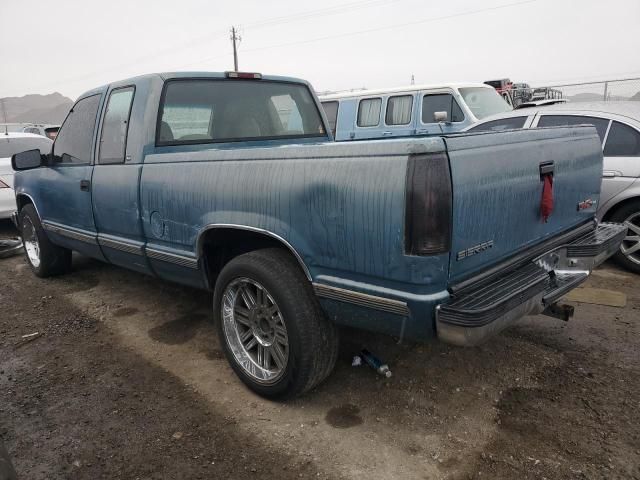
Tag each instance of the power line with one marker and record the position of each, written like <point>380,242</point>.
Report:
<point>377,29</point>
<point>219,33</point>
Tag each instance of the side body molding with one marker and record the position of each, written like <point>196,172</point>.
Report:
<point>201,235</point>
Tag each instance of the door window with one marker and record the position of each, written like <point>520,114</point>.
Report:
<point>399,110</point>
<point>601,124</point>
<point>331,111</point>
<point>369,112</point>
<point>113,139</point>
<point>622,141</point>
<point>441,102</point>
<point>73,143</point>
<point>510,123</point>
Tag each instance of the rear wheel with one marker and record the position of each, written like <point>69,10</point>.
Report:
<point>629,254</point>
<point>45,258</point>
<point>273,332</point>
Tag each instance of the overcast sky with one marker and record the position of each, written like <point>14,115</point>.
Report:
<point>73,45</point>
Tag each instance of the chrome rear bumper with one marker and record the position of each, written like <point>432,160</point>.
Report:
<point>480,310</point>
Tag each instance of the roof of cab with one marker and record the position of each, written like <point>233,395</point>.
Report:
<point>409,88</point>
<point>172,75</point>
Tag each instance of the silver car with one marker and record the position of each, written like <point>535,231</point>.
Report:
<point>618,125</point>
<point>11,143</point>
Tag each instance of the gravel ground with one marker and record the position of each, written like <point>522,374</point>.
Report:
<point>125,379</point>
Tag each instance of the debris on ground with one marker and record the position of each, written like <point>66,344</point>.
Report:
<point>30,337</point>
<point>597,296</point>
<point>10,247</point>
<point>357,361</point>
<point>375,363</point>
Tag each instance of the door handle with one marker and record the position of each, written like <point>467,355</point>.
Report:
<point>546,168</point>
<point>610,173</point>
<point>85,185</point>
<point>422,131</point>
<point>386,134</point>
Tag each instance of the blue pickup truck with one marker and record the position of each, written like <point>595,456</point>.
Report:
<point>231,182</point>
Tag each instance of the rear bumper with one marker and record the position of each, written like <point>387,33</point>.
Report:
<point>482,309</point>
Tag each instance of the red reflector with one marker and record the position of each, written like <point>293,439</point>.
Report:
<point>253,76</point>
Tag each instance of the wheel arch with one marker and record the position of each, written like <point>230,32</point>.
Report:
<point>613,208</point>
<point>23,199</point>
<point>217,244</point>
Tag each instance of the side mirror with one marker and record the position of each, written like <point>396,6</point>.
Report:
<point>440,117</point>
<point>27,160</point>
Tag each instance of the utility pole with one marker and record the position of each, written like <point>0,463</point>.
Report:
<point>235,38</point>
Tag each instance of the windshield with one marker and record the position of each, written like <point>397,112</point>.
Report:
<point>9,146</point>
<point>484,101</point>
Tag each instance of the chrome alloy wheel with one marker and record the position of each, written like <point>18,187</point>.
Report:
<point>631,244</point>
<point>255,331</point>
<point>30,239</point>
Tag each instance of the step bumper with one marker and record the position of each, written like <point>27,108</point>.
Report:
<point>480,310</point>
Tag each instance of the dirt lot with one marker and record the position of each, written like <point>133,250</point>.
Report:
<point>125,379</point>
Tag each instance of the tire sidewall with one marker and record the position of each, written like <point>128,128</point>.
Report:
<point>619,216</point>
<point>29,211</point>
<point>239,269</point>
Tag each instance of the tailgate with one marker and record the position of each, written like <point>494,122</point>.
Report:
<point>497,191</point>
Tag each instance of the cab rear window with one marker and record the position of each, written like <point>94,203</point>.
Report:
<point>197,111</point>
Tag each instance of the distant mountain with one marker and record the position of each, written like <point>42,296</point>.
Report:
<point>50,108</point>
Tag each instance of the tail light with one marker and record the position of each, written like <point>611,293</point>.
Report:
<point>245,75</point>
<point>429,205</point>
<point>3,185</point>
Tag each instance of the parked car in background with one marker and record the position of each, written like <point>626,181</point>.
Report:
<point>412,110</point>
<point>49,131</point>
<point>10,144</point>
<point>618,126</point>
<point>45,130</point>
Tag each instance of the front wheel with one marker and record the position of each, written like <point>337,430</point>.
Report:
<point>629,254</point>
<point>45,258</point>
<point>273,332</point>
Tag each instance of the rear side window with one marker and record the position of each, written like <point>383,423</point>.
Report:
<point>622,141</point>
<point>32,130</point>
<point>115,126</point>
<point>331,111</point>
<point>601,124</point>
<point>369,112</point>
<point>207,111</point>
<point>399,110</point>
<point>441,102</point>
<point>73,143</point>
<point>510,123</point>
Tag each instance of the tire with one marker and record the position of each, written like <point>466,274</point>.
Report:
<point>627,256</point>
<point>45,258</point>
<point>299,344</point>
